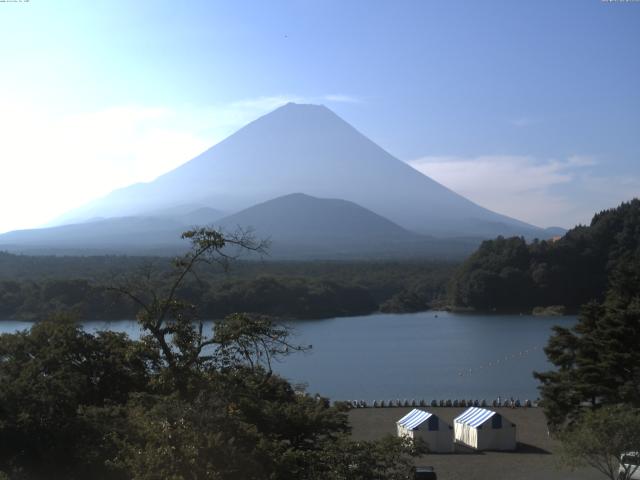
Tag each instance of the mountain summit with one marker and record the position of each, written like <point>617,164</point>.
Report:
<point>309,149</point>
<point>300,218</point>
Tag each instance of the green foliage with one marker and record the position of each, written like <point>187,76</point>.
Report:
<point>250,340</point>
<point>299,290</point>
<point>47,377</point>
<point>493,277</point>
<point>290,297</point>
<point>77,297</point>
<point>420,293</point>
<point>170,438</point>
<point>390,458</point>
<point>179,404</point>
<point>601,438</point>
<point>509,274</point>
<point>598,360</point>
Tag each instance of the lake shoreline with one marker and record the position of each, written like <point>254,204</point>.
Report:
<point>427,355</point>
<point>548,311</point>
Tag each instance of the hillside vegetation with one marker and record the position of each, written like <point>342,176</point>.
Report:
<point>184,402</point>
<point>31,287</point>
<point>510,274</point>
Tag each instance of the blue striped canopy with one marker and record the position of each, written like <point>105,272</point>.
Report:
<point>414,419</point>
<point>474,416</point>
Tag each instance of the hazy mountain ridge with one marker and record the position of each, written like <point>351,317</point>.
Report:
<point>300,217</point>
<point>302,226</point>
<point>357,200</point>
<point>307,148</point>
<point>109,233</point>
<point>297,225</point>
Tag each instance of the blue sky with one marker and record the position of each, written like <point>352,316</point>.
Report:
<point>530,108</point>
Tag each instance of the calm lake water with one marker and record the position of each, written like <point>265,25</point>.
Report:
<point>424,355</point>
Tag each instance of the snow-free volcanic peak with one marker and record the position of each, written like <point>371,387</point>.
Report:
<point>308,148</point>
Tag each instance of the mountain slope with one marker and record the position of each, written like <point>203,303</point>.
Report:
<point>187,214</point>
<point>112,235</point>
<point>297,218</point>
<point>301,226</point>
<point>307,148</point>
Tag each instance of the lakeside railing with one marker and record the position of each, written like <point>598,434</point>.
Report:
<point>506,403</point>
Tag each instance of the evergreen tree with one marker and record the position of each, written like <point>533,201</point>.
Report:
<point>181,404</point>
<point>510,274</point>
<point>598,360</point>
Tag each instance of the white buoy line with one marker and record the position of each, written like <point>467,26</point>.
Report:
<point>498,361</point>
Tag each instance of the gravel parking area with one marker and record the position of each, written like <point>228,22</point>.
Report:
<point>535,459</point>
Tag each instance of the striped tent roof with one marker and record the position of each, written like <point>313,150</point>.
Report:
<point>474,416</point>
<point>414,419</point>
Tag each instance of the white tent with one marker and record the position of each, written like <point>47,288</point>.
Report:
<point>483,429</point>
<point>438,435</point>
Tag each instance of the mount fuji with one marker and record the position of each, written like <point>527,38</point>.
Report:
<point>296,148</point>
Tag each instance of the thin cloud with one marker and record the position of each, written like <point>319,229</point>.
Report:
<point>268,103</point>
<point>226,118</point>
<point>54,163</point>
<point>264,103</point>
<point>341,98</point>
<point>540,191</point>
<point>581,161</point>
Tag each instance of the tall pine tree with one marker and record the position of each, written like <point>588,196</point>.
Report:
<point>598,360</point>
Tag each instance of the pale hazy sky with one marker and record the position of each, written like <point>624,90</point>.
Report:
<point>530,108</point>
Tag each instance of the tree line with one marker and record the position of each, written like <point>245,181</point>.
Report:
<point>591,398</point>
<point>81,286</point>
<point>180,403</point>
<point>509,274</point>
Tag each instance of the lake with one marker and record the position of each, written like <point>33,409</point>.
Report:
<point>426,355</point>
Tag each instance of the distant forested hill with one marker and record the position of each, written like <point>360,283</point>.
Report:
<point>510,274</point>
<point>33,288</point>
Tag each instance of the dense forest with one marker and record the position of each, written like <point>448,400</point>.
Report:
<point>597,360</point>
<point>591,396</point>
<point>31,287</point>
<point>509,274</point>
<point>180,403</point>
<point>505,274</point>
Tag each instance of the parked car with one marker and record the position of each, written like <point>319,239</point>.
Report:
<point>630,460</point>
<point>425,473</point>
